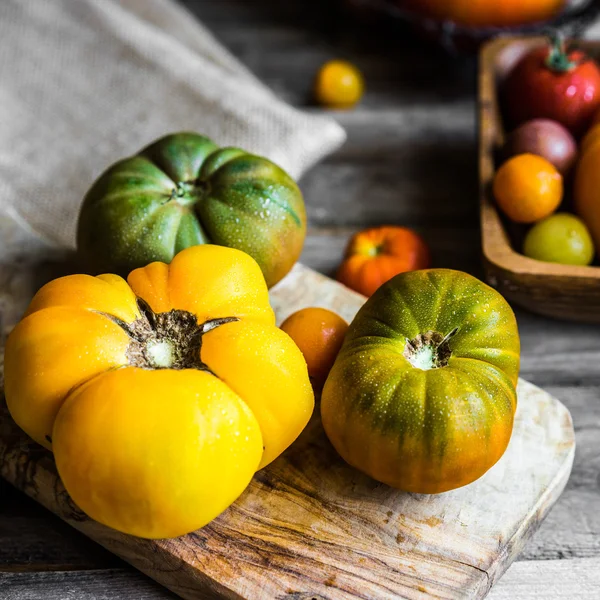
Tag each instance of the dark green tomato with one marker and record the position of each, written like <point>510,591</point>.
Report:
<point>183,190</point>
<point>422,394</point>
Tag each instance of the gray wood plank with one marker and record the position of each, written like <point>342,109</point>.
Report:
<point>410,157</point>
<point>284,44</point>
<point>531,580</point>
<point>559,352</point>
<point>572,529</point>
<point>395,169</point>
<point>41,542</point>
<point>550,580</point>
<point>112,584</point>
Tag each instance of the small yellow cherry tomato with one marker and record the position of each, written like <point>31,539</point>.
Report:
<point>339,84</point>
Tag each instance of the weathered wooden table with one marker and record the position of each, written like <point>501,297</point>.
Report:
<point>410,159</point>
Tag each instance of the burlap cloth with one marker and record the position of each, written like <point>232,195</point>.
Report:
<point>86,82</point>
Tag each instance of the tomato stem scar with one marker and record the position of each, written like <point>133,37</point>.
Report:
<point>430,350</point>
<point>167,340</point>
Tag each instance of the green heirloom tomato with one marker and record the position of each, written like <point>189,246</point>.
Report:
<point>183,190</point>
<point>422,394</point>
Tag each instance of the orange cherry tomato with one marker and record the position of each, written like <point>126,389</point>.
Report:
<point>375,255</point>
<point>319,334</point>
<point>339,84</point>
<point>528,188</point>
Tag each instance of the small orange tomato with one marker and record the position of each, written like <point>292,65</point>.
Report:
<point>528,188</point>
<point>591,138</point>
<point>319,334</point>
<point>375,255</point>
<point>339,84</point>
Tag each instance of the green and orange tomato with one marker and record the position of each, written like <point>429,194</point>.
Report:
<point>184,190</point>
<point>422,395</point>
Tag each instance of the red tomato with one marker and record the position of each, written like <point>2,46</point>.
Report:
<point>551,83</point>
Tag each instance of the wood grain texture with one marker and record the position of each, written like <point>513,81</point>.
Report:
<point>309,526</point>
<point>556,580</point>
<point>564,291</point>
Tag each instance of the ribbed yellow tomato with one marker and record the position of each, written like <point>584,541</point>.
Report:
<point>159,397</point>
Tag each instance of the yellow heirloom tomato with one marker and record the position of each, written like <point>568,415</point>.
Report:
<point>160,396</point>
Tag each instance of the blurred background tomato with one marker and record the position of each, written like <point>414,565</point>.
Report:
<point>464,24</point>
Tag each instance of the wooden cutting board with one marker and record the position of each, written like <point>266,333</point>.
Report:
<point>311,527</point>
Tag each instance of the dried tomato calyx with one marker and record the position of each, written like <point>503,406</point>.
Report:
<point>430,350</point>
<point>189,192</point>
<point>167,340</point>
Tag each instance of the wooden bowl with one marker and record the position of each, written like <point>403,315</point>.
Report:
<point>562,291</point>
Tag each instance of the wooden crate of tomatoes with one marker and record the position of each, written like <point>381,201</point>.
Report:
<point>540,174</point>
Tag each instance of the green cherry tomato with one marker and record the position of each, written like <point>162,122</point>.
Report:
<point>184,190</point>
<point>561,238</point>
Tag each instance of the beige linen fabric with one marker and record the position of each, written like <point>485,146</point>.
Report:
<point>86,82</point>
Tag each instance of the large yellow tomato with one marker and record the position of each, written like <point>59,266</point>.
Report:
<point>161,396</point>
